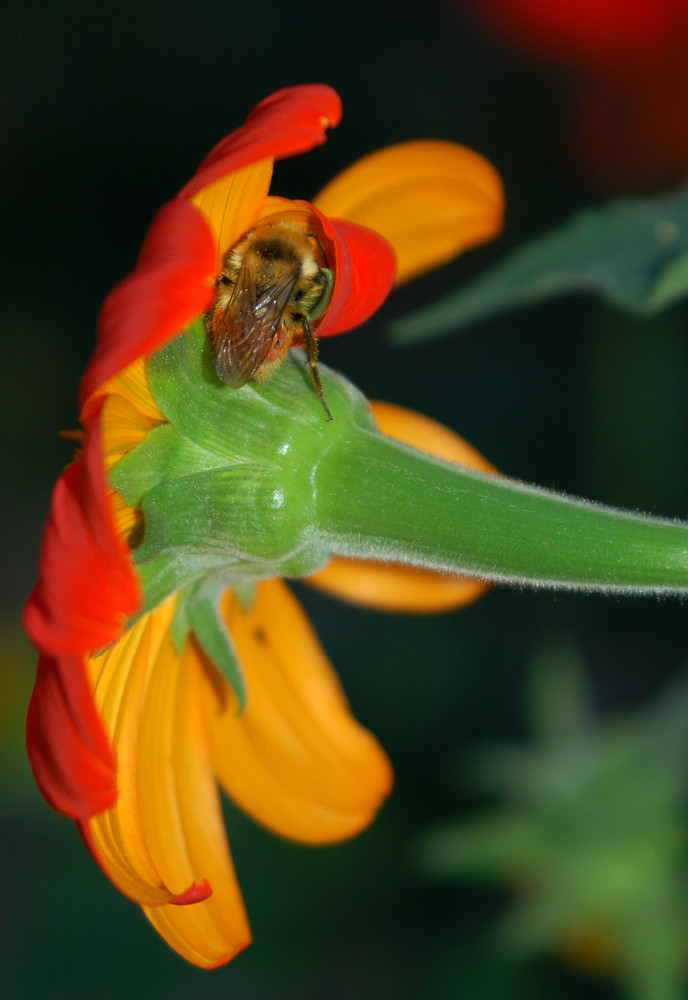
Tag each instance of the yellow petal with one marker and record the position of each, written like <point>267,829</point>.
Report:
<point>129,413</point>
<point>287,210</point>
<point>401,589</point>
<point>132,384</point>
<point>123,428</point>
<point>296,760</point>
<point>231,205</point>
<point>181,814</point>
<point>390,587</point>
<point>428,435</point>
<point>121,676</point>
<point>128,520</point>
<point>431,200</point>
<point>165,832</point>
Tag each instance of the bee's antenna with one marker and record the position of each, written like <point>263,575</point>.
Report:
<point>312,355</point>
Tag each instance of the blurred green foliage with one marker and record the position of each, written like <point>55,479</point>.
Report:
<point>633,253</point>
<point>590,837</point>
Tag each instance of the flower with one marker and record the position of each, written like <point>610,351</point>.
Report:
<point>132,722</point>
<point>592,33</point>
<point>624,62</point>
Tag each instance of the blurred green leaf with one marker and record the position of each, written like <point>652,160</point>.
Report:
<point>557,703</point>
<point>588,834</point>
<point>633,252</point>
<point>211,631</point>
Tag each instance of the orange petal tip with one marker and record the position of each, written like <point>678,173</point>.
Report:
<point>430,199</point>
<point>196,893</point>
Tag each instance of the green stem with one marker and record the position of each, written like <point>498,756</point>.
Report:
<point>256,483</point>
<point>427,513</point>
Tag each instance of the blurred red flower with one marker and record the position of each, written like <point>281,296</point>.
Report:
<point>627,63</point>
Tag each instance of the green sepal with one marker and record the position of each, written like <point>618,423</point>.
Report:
<point>173,571</point>
<point>632,252</point>
<point>144,466</point>
<point>203,611</point>
<point>165,455</point>
<point>181,626</point>
<point>280,413</point>
<point>227,483</point>
<point>245,593</point>
<point>234,517</point>
<point>197,613</point>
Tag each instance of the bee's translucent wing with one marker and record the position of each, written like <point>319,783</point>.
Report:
<point>248,331</point>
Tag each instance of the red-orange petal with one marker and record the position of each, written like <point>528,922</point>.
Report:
<point>196,893</point>
<point>68,749</point>
<point>171,285</point>
<point>365,267</point>
<point>599,35</point>
<point>363,262</point>
<point>288,122</point>
<point>87,586</point>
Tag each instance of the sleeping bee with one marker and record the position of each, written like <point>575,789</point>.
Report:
<point>274,283</point>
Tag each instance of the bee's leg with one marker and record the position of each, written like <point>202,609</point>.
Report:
<point>312,355</point>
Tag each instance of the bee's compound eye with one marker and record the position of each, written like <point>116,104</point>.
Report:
<point>224,280</point>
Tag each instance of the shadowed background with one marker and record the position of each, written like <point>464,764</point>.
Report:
<point>106,112</point>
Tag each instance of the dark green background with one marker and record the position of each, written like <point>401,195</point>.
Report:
<point>106,111</point>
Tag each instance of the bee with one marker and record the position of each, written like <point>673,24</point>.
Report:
<point>273,285</point>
